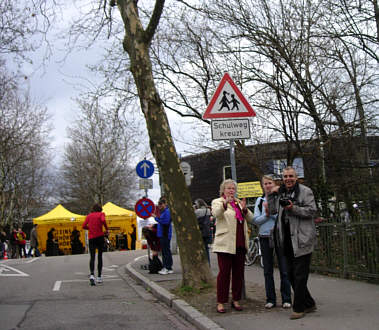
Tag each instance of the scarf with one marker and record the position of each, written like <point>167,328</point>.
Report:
<point>237,209</point>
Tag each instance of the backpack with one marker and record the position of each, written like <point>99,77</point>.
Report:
<point>205,225</point>
<point>261,203</point>
<point>155,265</point>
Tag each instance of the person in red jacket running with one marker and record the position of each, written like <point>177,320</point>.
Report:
<point>95,221</point>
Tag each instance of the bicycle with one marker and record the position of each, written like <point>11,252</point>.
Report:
<point>254,252</point>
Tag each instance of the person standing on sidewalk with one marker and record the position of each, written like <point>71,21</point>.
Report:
<point>203,214</point>
<point>94,222</point>
<point>34,242</point>
<point>231,243</point>
<point>266,223</point>
<point>295,234</point>
<point>164,233</point>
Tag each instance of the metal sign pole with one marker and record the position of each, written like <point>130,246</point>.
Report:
<point>234,177</point>
<point>233,160</point>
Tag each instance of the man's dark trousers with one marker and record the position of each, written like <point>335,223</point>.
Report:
<point>166,253</point>
<point>298,272</point>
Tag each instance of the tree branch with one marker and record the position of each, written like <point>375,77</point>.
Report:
<point>154,20</point>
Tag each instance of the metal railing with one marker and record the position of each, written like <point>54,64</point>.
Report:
<point>349,250</point>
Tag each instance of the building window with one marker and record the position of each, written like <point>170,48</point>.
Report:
<point>277,166</point>
<point>227,172</point>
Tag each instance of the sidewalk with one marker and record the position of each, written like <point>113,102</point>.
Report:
<point>342,304</point>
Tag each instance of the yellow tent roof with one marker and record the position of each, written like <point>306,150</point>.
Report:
<point>58,215</point>
<point>111,210</point>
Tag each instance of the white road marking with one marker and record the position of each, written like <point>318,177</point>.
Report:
<point>144,256</point>
<point>109,276</point>
<point>4,269</point>
<point>31,260</point>
<point>57,285</point>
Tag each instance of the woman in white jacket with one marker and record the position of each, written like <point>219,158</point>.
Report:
<point>231,243</point>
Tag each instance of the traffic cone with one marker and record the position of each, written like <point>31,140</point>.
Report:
<point>5,255</point>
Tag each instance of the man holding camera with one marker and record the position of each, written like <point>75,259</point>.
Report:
<point>295,234</point>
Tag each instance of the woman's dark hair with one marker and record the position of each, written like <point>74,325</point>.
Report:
<point>97,208</point>
<point>199,203</point>
<point>162,200</point>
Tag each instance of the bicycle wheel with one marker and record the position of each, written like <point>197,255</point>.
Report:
<point>251,255</point>
<point>248,253</point>
<point>261,263</point>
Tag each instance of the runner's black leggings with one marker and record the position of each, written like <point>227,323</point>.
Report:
<point>96,243</point>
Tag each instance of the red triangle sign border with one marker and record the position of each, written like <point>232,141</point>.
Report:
<point>208,112</point>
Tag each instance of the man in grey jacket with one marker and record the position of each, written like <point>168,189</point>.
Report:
<point>295,234</point>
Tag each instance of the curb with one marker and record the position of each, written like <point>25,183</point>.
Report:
<point>185,310</point>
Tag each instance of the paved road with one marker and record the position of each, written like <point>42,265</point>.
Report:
<point>54,293</point>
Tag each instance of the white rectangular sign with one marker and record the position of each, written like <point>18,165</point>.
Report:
<point>230,129</point>
<point>145,183</point>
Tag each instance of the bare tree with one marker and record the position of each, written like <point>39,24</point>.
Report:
<point>24,154</point>
<point>97,162</point>
<point>23,26</point>
<point>357,23</point>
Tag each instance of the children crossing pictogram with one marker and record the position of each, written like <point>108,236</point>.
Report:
<point>228,102</point>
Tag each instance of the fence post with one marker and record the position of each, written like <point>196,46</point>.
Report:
<point>344,247</point>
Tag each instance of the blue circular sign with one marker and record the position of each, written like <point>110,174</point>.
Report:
<point>145,169</point>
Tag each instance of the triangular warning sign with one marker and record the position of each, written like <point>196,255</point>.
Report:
<point>228,102</point>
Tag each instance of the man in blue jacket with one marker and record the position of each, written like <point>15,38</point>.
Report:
<point>164,233</point>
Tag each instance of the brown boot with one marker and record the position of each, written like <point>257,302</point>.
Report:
<point>295,315</point>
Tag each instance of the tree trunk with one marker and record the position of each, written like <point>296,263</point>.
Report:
<point>136,43</point>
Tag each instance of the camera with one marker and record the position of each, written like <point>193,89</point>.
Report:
<point>284,201</point>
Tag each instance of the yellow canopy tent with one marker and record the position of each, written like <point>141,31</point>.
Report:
<point>122,224</point>
<point>64,223</point>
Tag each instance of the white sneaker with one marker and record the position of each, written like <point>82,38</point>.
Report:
<point>269,305</point>
<point>99,280</point>
<point>163,271</point>
<point>92,280</point>
<point>286,305</point>
<point>170,271</point>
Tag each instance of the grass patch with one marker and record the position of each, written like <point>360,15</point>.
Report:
<point>187,290</point>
